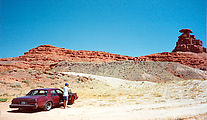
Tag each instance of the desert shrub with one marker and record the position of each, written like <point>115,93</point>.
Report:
<point>54,83</point>
<point>39,85</point>
<point>3,99</point>
<point>51,77</point>
<point>5,94</point>
<point>15,85</point>
<point>29,70</point>
<point>49,72</point>
<point>64,78</point>
<point>53,70</point>
<point>33,87</point>
<point>3,82</point>
<point>26,82</point>
<point>157,94</point>
<point>22,70</point>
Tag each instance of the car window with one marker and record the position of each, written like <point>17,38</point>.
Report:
<point>53,93</point>
<point>59,92</point>
<point>37,93</point>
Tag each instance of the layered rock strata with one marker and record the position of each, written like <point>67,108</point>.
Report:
<point>188,51</point>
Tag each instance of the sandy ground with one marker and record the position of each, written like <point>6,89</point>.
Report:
<point>120,108</point>
<point>116,112</point>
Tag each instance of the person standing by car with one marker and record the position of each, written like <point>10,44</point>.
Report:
<point>66,90</point>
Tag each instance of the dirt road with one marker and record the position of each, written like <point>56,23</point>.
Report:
<point>114,112</point>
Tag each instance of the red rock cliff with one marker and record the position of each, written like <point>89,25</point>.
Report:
<point>195,60</point>
<point>188,51</point>
<point>43,56</point>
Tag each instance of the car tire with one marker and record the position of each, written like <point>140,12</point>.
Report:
<point>48,106</point>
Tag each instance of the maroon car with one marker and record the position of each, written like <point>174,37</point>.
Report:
<point>45,98</point>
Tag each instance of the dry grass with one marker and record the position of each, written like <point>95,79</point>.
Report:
<point>94,92</point>
<point>133,92</point>
<point>142,93</point>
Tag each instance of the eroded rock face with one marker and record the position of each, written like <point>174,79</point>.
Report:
<point>195,60</point>
<point>189,51</point>
<point>188,43</point>
<point>43,56</point>
<point>56,54</point>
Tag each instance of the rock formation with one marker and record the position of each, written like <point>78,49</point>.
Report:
<point>188,51</point>
<point>56,54</point>
<point>195,60</point>
<point>43,56</point>
<point>188,43</point>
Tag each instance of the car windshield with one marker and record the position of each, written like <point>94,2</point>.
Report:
<point>37,93</point>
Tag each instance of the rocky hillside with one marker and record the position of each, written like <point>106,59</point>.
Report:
<point>43,56</point>
<point>135,70</point>
<point>195,60</point>
<point>188,51</point>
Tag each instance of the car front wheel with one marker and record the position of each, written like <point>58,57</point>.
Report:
<point>48,106</point>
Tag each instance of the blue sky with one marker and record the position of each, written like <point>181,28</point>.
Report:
<point>126,27</point>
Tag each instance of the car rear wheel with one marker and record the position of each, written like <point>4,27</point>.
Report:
<point>48,106</point>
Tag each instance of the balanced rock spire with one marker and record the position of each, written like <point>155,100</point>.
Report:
<point>188,43</point>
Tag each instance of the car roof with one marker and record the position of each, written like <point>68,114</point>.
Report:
<point>46,89</point>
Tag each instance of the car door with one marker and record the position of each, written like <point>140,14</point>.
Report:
<point>60,94</point>
<point>55,97</point>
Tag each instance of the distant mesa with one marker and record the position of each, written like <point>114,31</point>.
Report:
<point>188,43</point>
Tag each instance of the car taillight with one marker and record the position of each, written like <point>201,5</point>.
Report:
<point>14,101</point>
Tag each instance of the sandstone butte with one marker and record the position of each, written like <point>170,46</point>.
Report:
<point>188,51</point>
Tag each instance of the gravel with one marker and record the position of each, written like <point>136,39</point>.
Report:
<point>135,70</point>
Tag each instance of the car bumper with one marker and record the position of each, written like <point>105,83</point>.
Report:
<point>23,106</point>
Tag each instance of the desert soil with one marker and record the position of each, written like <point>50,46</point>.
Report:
<point>110,98</point>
